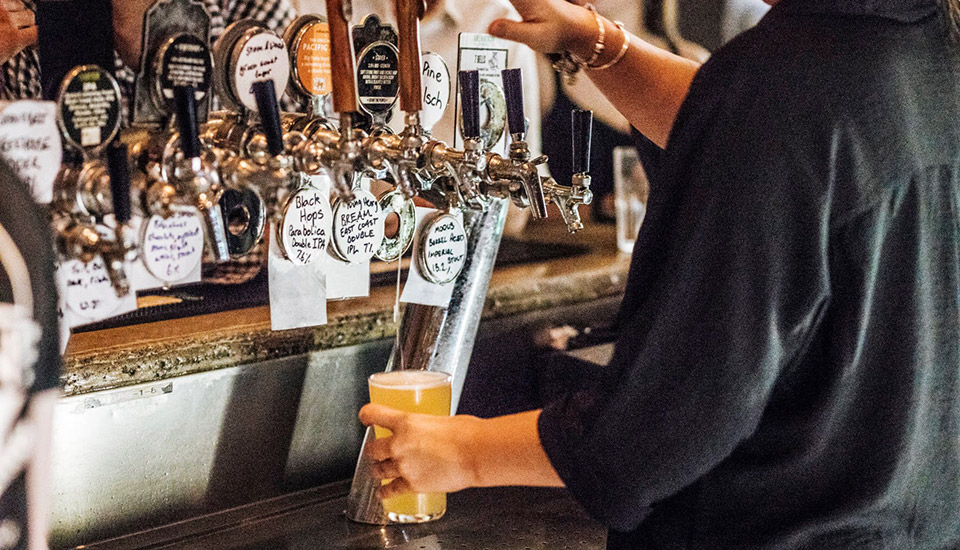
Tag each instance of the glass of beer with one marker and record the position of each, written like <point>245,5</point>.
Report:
<point>417,391</point>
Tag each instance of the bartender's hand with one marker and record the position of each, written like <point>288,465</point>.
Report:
<point>445,454</point>
<point>18,28</point>
<point>425,454</point>
<point>550,26</point>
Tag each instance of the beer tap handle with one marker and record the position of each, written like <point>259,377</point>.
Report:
<point>409,14</point>
<point>186,102</point>
<point>513,93</point>
<point>581,128</point>
<point>266,96</point>
<point>470,100</point>
<point>342,57</point>
<point>119,168</point>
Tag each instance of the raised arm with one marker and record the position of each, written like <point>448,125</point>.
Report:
<point>647,84</point>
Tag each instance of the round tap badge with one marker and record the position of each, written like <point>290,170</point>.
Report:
<point>88,108</point>
<point>245,217</point>
<point>393,203</point>
<point>306,226</point>
<point>183,60</point>
<point>262,56</point>
<point>89,293</point>
<point>442,250</point>
<point>493,113</point>
<point>172,248</point>
<point>435,80</point>
<point>357,227</point>
<point>378,80</point>
<point>308,39</point>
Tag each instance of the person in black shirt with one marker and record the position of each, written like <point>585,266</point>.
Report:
<point>787,372</point>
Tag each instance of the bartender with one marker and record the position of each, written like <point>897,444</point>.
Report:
<point>787,373</point>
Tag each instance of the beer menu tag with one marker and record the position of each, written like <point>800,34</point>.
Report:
<point>378,67</point>
<point>446,247</point>
<point>87,293</point>
<point>435,80</point>
<point>262,57</point>
<point>489,55</point>
<point>183,61</point>
<point>346,279</point>
<point>311,50</point>
<point>30,144</point>
<point>171,250</point>
<point>357,228</point>
<point>88,108</point>
<point>297,282</point>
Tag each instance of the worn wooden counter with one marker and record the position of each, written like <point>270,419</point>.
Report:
<point>154,351</point>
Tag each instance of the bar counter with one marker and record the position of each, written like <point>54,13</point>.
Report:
<point>150,352</point>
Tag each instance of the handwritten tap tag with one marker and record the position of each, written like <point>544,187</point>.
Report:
<point>418,288</point>
<point>306,224</point>
<point>30,143</point>
<point>263,57</point>
<point>171,250</point>
<point>488,55</point>
<point>435,81</point>
<point>352,279</point>
<point>88,295</point>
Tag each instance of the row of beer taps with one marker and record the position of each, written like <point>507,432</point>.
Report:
<point>189,161</point>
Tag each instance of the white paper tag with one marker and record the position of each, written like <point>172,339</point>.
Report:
<point>488,55</point>
<point>435,81</point>
<point>30,143</point>
<point>417,289</point>
<point>88,295</point>
<point>171,250</point>
<point>357,227</point>
<point>264,57</point>
<point>298,292</point>
<point>348,280</point>
<point>306,225</point>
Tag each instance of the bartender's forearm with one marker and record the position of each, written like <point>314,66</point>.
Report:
<point>506,450</point>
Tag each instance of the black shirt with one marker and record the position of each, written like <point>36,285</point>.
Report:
<point>787,373</point>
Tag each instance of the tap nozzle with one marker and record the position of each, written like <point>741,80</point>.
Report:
<point>526,169</point>
<point>569,197</point>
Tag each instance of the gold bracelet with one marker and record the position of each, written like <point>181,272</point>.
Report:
<point>569,64</point>
<point>598,46</point>
<point>620,54</point>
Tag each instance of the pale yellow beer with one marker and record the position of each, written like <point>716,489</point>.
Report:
<point>419,391</point>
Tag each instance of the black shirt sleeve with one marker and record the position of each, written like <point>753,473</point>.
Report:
<point>737,281</point>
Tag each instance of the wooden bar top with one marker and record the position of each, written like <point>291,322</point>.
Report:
<point>150,352</point>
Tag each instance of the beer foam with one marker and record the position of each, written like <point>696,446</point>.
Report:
<point>411,379</point>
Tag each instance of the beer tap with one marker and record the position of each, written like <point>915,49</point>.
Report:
<point>349,161</point>
<point>192,178</point>
<point>123,247</point>
<point>569,197</point>
<point>506,173</point>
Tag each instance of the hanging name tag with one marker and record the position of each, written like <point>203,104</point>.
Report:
<point>260,57</point>
<point>378,67</point>
<point>298,283</point>
<point>306,225</point>
<point>420,287</point>
<point>357,228</point>
<point>88,294</point>
<point>308,40</point>
<point>443,248</point>
<point>30,144</point>
<point>488,55</point>
<point>88,108</point>
<point>435,81</point>
<point>172,248</point>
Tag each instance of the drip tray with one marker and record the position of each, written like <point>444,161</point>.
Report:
<point>203,298</point>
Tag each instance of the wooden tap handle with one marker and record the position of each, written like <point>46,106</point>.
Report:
<point>409,13</point>
<point>341,59</point>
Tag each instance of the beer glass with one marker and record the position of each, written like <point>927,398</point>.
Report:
<point>417,391</point>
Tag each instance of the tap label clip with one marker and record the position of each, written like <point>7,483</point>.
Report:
<point>88,108</point>
<point>378,67</point>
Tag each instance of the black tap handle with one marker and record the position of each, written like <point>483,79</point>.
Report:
<point>119,169</point>
<point>266,96</point>
<point>470,98</point>
<point>581,128</point>
<point>513,93</point>
<point>186,100</point>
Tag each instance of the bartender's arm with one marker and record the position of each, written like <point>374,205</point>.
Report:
<point>660,78</point>
<point>431,453</point>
